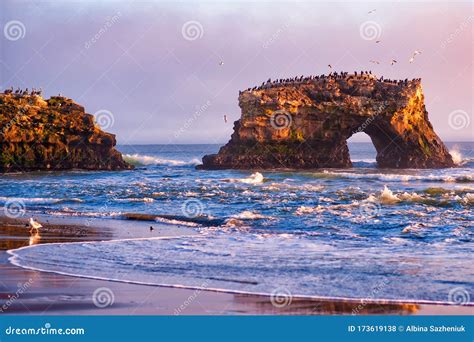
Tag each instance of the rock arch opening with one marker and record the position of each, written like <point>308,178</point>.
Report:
<point>362,151</point>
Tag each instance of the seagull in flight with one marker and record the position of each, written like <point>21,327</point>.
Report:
<point>393,62</point>
<point>377,41</point>
<point>330,66</point>
<point>412,59</point>
<point>372,11</point>
<point>225,118</point>
<point>221,63</point>
<point>375,62</point>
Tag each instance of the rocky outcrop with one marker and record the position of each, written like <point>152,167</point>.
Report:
<point>54,134</point>
<point>304,123</point>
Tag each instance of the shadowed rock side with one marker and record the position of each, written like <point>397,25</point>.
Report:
<point>54,134</point>
<point>304,123</point>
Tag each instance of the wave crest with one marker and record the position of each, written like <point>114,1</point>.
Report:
<point>140,160</point>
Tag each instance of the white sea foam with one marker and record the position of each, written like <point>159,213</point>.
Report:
<point>392,177</point>
<point>456,155</point>
<point>254,178</point>
<point>240,265</point>
<point>249,215</point>
<point>46,200</point>
<point>387,196</point>
<point>139,159</point>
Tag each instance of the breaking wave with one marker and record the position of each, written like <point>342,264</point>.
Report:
<point>140,160</point>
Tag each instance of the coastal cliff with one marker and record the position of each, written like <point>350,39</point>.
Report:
<point>53,134</point>
<point>304,123</point>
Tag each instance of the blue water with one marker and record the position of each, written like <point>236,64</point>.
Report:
<point>357,233</point>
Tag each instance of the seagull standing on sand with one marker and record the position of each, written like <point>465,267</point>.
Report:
<point>34,225</point>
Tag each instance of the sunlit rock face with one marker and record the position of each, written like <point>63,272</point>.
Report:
<point>53,134</point>
<point>305,123</point>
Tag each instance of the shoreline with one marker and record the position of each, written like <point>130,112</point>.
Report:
<point>54,293</point>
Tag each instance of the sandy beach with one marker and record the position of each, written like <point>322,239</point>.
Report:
<point>25,291</point>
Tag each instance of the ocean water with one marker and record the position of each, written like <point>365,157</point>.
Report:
<point>348,233</point>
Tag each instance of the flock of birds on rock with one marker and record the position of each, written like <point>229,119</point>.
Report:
<point>362,75</point>
<point>24,92</point>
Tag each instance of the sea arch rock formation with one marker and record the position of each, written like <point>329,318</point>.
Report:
<point>304,123</point>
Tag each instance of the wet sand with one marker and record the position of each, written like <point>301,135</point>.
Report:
<point>25,291</point>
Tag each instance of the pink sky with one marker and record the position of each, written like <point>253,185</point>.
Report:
<point>165,86</point>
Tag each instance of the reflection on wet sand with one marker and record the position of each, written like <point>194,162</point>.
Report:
<point>303,306</point>
<point>35,237</point>
<point>54,293</point>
